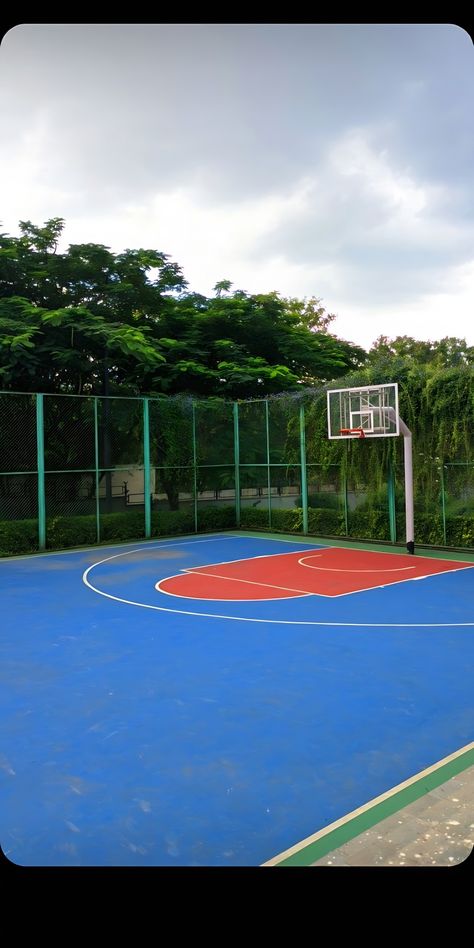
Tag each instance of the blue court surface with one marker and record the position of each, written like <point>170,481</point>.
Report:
<point>143,727</point>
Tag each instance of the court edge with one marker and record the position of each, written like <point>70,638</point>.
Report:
<point>319,844</point>
<point>446,553</point>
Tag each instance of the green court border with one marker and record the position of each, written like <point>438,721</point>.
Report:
<point>365,818</point>
<point>441,554</point>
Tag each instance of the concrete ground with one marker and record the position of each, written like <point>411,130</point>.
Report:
<point>435,830</point>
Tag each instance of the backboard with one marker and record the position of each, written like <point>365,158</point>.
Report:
<point>368,412</point>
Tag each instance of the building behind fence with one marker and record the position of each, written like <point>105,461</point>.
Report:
<point>80,470</point>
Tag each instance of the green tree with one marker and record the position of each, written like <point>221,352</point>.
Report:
<point>445,353</point>
<point>91,321</point>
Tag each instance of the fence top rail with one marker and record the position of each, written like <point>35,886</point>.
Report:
<point>209,402</point>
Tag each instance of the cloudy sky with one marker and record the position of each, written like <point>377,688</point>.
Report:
<point>322,160</point>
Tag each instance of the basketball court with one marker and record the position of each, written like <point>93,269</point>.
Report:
<point>226,700</point>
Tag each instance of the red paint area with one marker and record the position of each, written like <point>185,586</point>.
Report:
<point>327,572</point>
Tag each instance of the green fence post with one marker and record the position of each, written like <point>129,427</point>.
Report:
<point>195,470</point>
<point>391,503</point>
<point>97,477</point>
<point>237,463</point>
<point>443,502</point>
<point>345,499</point>
<point>304,481</point>
<point>146,467</point>
<point>40,467</point>
<point>269,480</point>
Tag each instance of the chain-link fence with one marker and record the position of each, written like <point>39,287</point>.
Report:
<point>81,470</point>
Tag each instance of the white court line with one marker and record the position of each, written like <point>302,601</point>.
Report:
<point>260,556</point>
<point>234,579</point>
<point>357,549</point>
<point>147,544</point>
<point>330,569</point>
<point>164,592</point>
<point>210,615</point>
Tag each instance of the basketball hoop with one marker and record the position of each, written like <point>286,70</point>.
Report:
<point>359,432</point>
<point>371,411</point>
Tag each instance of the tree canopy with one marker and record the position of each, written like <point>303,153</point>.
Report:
<point>88,321</point>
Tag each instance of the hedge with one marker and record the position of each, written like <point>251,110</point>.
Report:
<point>21,536</point>
<point>363,524</point>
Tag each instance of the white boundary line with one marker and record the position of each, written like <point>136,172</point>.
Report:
<point>331,569</point>
<point>357,549</point>
<point>207,615</point>
<point>260,556</point>
<point>147,543</point>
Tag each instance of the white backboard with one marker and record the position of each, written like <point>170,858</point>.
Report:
<point>372,410</point>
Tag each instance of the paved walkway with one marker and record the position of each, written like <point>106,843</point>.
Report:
<point>436,830</point>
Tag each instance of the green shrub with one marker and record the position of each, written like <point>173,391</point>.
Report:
<point>369,523</point>
<point>216,518</point>
<point>18,536</point>
<point>164,522</point>
<point>21,536</point>
<point>288,521</point>
<point>326,522</point>
<point>460,531</point>
<point>70,531</point>
<point>253,517</point>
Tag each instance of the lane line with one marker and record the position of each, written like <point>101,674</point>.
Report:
<point>236,579</point>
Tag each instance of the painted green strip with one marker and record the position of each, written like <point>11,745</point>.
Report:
<point>40,465</point>
<point>146,465</point>
<point>458,555</point>
<point>380,811</point>
<point>304,480</point>
<point>237,463</point>
<point>97,476</point>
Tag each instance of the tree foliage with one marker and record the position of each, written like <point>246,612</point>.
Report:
<point>437,404</point>
<point>91,321</point>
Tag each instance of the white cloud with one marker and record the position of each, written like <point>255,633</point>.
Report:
<point>299,191</point>
<point>432,316</point>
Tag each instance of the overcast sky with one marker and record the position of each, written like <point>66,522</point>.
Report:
<point>334,161</point>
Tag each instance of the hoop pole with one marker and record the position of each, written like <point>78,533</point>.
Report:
<point>408,464</point>
<point>408,461</point>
